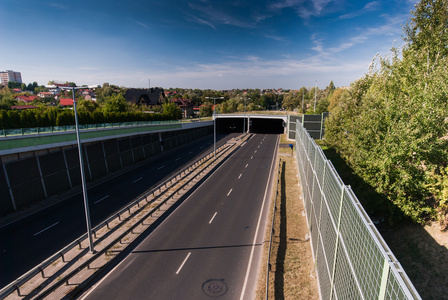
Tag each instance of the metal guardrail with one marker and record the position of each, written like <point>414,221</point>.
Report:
<point>15,285</point>
<point>86,264</point>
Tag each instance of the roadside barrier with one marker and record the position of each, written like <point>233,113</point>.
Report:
<point>352,260</point>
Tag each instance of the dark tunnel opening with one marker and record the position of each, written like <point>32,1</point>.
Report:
<point>256,125</point>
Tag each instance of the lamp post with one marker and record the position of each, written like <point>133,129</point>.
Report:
<point>214,123</point>
<point>244,124</point>
<point>315,95</point>
<point>83,177</point>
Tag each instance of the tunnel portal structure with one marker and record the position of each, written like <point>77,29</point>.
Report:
<point>251,123</point>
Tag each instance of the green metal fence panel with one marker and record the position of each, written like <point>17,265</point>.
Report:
<point>351,259</point>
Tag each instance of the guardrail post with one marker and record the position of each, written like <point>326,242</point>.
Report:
<point>18,290</point>
<point>62,256</point>
<point>42,272</point>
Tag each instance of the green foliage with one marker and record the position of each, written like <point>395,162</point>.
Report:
<point>115,103</point>
<point>391,126</point>
<point>14,85</point>
<point>206,110</point>
<point>171,111</point>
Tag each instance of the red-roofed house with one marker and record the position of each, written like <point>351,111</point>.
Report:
<point>185,105</point>
<point>66,102</point>
<point>26,99</point>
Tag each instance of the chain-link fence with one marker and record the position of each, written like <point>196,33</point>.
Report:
<point>351,258</point>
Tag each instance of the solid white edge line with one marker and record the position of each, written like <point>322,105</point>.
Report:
<point>229,192</point>
<point>211,220</point>
<point>46,229</point>
<point>256,230</point>
<point>105,197</point>
<point>183,263</point>
<point>138,179</point>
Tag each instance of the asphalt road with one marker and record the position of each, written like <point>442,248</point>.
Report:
<point>27,242</point>
<point>210,246</point>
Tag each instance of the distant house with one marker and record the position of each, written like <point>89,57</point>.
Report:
<point>185,105</point>
<point>88,94</point>
<point>45,95</point>
<point>147,97</point>
<point>196,110</point>
<point>26,99</point>
<point>66,102</point>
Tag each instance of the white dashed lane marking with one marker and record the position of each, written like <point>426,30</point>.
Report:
<point>183,263</point>
<point>46,228</point>
<point>105,197</point>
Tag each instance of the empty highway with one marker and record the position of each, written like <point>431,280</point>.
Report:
<point>210,245</point>
<point>30,240</point>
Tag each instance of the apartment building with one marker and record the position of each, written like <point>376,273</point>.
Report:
<point>10,75</point>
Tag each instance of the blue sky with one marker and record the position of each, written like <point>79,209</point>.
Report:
<point>205,44</point>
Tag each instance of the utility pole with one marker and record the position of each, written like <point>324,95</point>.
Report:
<point>83,176</point>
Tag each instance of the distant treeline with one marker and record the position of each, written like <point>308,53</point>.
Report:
<point>45,117</point>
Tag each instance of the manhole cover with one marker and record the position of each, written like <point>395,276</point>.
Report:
<point>214,288</point>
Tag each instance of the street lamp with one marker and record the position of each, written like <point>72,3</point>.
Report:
<point>244,124</point>
<point>83,177</point>
<point>315,95</point>
<point>214,123</point>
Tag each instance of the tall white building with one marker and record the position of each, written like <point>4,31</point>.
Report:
<point>9,75</point>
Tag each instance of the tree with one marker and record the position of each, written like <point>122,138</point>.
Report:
<point>292,100</point>
<point>115,103</point>
<point>391,126</point>
<point>172,111</point>
<point>427,29</point>
<point>87,105</point>
<point>205,110</point>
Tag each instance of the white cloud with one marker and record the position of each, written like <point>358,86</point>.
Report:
<point>391,27</point>
<point>305,8</point>
<point>58,5</point>
<point>141,24</point>
<point>371,6</point>
<point>213,15</point>
<point>194,19</point>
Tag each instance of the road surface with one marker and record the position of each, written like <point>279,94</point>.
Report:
<point>27,242</point>
<point>210,245</point>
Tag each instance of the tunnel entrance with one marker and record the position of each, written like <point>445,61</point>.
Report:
<point>257,125</point>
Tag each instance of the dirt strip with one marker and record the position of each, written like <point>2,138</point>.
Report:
<point>291,274</point>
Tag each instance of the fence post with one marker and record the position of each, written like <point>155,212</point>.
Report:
<point>337,241</point>
<point>384,279</point>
